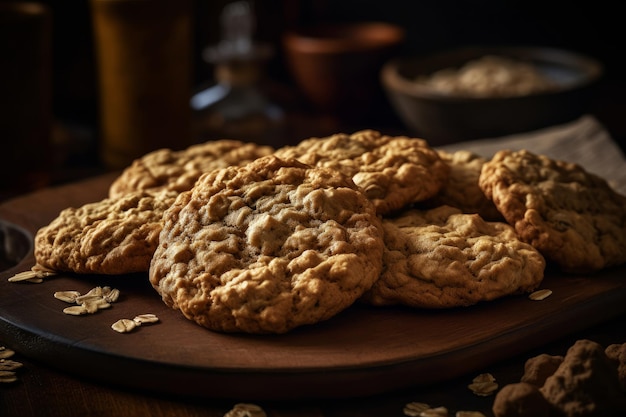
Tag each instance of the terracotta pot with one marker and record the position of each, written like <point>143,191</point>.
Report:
<point>337,66</point>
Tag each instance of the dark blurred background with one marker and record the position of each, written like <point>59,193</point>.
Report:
<point>592,28</point>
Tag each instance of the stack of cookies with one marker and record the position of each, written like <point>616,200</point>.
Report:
<point>243,238</point>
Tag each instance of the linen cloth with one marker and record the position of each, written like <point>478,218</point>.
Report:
<point>584,141</point>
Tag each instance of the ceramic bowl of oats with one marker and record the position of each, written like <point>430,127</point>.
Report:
<point>485,92</point>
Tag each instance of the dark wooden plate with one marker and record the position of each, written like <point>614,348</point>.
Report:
<point>359,352</point>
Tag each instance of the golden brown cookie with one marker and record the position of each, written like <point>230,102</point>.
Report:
<point>573,217</point>
<point>267,247</point>
<point>442,258</point>
<point>462,190</point>
<point>179,170</point>
<point>391,171</point>
<point>112,236</point>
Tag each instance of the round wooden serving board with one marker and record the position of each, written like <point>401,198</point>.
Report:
<point>362,351</point>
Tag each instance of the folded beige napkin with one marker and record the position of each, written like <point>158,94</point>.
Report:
<point>583,141</point>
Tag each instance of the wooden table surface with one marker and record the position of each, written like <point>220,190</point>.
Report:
<point>44,391</point>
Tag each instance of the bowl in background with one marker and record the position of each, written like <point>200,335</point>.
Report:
<point>444,118</point>
<point>337,66</point>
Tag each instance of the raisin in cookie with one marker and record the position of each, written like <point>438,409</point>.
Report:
<point>443,258</point>
<point>462,190</point>
<point>179,170</point>
<point>573,217</point>
<point>267,247</point>
<point>112,236</point>
<point>391,171</point>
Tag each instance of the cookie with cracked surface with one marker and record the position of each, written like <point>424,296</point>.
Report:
<point>179,170</point>
<point>392,171</point>
<point>573,217</point>
<point>111,236</point>
<point>267,247</point>
<point>443,258</point>
<point>462,190</point>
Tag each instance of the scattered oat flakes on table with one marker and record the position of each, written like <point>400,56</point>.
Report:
<point>246,410</point>
<point>8,367</point>
<point>124,325</point>
<point>128,325</point>
<point>96,299</point>
<point>483,385</point>
<point>540,294</point>
<point>414,409</point>
<point>35,275</point>
<point>435,412</point>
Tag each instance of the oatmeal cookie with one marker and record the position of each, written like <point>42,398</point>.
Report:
<point>462,190</point>
<point>573,217</point>
<point>443,258</point>
<point>267,247</point>
<point>111,236</point>
<point>179,170</point>
<point>391,171</point>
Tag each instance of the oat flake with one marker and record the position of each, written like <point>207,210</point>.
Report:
<point>414,409</point>
<point>246,410</point>
<point>540,295</point>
